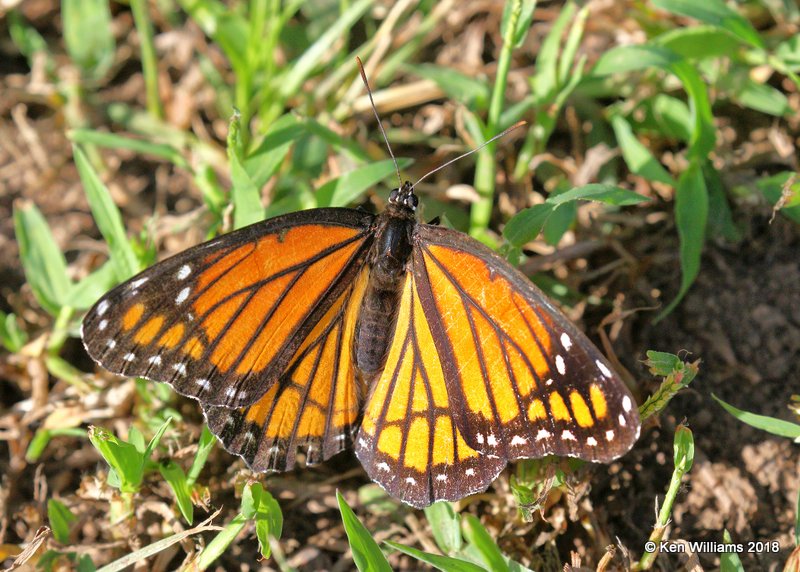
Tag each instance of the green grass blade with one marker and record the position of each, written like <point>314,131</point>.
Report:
<point>176,480</point>
<point>444,563</point>
<point>608,194</point>
<point>204,447</point>
<point>638,158</point>
<point>717,13</point>
<point>477,535</point>
<point>367,554</point>
<point>11,335</point>
<point>44,264</point>
<point>144,29</point>
<point>107,217</point>
<point>691,216</point>
<point>219,544</point>
<point>772,425</point>
<point>60,518</point>
<point>729,561</point>
<point>320,49</point>
<point>470,91</point>
<point>445,526</point>
<point>262,163</point>
<point>139,146</point>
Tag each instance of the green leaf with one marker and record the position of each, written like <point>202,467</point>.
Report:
<point>608,194</point>
<point>265,160</point>
<point>156,438</point>
<point>88,35</point>
<point>699,42</point>
<point>266,512</point>
<point>125,461</point>
<point>729,561</point>
<point>777,427</point>
<point>638,158</point>
<point>60,518</point>
<point>683,455</point>
<point>526,224</point>
<point>468,90</point>
<point>444,563</point>
<point>107,217</point>
<point>762,97</point>
<point>717,13</point>
<point>44,265</point>
<point>176,479</point>
<point>445,526</point>
<point>634,58</point>
<point>704,134</point>
<point>245,195</point>
<point>25,37</point>
<point>11,335</point>
<point>367,554</point>
<point>673,116</point>
<point>559,222</point>
<point>221,541</point>
<point>691,216</point>
<point>477,535</point>
<point>720,218</point>
<point>204,447</point>
<point>344,190</point>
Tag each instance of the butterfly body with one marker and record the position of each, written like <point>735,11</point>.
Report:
<point>328,329</point>
<point>388,263</point>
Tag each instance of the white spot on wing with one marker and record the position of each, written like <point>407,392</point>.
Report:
<point>102,307</point>
<point>184,272</point>
<point>441,477</point>
<point>273,450</point>
<point>603,369</point>
<point>542,434</point>
<point>549,382</point>
<point>155,360</point>
<point>411,480</point>
<point>230,392</point>
<point>102,325</point>
<point>182,295</point>
<point>384,466</point>
<point>136,283</point>
<point>180,368</point>
<point>479,437</point>
<point>361,442</point>
<point>560,365</point>
<point>491,440</point>
<point>129,357</point>
<point>249,436</point>
<point>622,420</point>
<point>567,435</point>
<point>566,341</point>
<point>340,437</point>
<point>204,383</point>
<point>469,472</point>
<point>591,441</point>
<point>610,435</point>
<point>518,440</point>
<point>626,403</point>
<point>111,344</point>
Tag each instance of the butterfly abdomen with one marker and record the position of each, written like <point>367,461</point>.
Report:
<point>375,327</point>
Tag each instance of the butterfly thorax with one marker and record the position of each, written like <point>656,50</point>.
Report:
<point>388,265</point>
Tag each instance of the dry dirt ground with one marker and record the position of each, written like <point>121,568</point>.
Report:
<point>741,318</point>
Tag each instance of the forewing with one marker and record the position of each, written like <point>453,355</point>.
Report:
<point>315,404</point>
<point>523,380</point>
<point>221,321</point>
<point>408,442</point>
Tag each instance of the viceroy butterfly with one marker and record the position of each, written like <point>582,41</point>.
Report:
<point>333,328</point>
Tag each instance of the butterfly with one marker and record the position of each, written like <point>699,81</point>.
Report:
<point>334,328</point>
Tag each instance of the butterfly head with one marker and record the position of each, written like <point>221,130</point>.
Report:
<point>404,198</point>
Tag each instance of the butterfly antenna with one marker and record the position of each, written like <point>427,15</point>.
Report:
<point>378,119</point>
<point>470,152</point>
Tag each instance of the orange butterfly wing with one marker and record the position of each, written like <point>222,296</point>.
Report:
<point>408,442</point>
<point>314,406</point>
<point>221,321</point>
<point>523,380</point>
